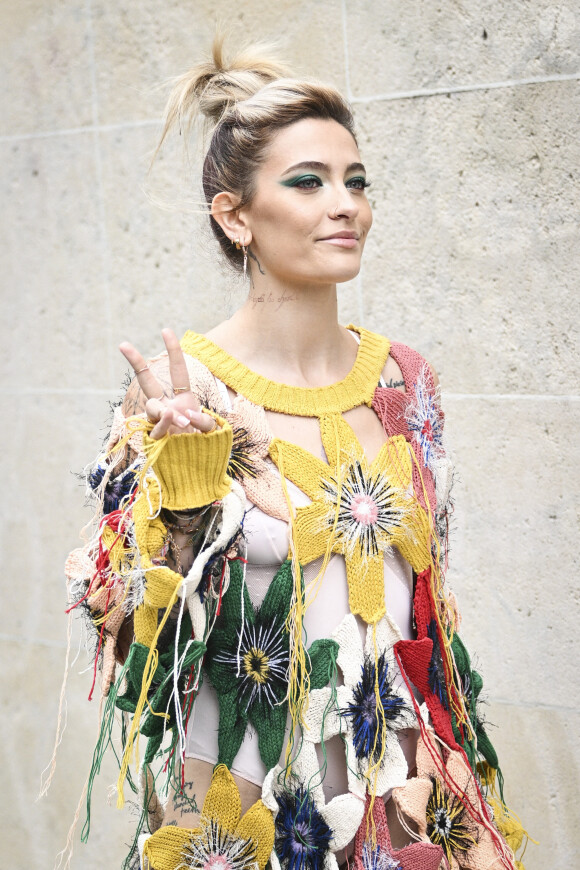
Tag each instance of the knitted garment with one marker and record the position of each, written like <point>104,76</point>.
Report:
<point>222,840</point>
<point>257,659</point>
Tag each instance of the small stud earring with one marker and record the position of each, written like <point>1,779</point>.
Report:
<point>237,244</point>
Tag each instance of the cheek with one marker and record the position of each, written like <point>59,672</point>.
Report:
<point>367,216</point>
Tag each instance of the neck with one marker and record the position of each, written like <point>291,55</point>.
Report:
<point>289,333</point>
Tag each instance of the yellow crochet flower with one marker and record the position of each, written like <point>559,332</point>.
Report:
<point>222,841</point>
<point>360,508</point>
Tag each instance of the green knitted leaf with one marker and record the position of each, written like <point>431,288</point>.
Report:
<point>279,593</point>
<point>323,655</point>
<point>136,661</point>
<point>477,683</point>
<point>485,747</point>
<point>231,604</point>
<point>473,684</point>
<point>271,732</point>
<point>232,727</point>
<point>153,745</point>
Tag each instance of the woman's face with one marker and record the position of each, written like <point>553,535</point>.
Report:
<point>309,216</point>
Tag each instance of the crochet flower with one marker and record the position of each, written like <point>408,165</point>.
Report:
<point>302,836</point>
<point>360,508</point>
<point>417,415</point>
<point>247,664</point>
<point>159,714</point>
<point>444,803</point>
<point>222,841</point>
<point>308,831</point>
<point>381,855</point>
<point>374,756</point>
<point>249,463</point>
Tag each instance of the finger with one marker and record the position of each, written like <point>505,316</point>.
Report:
<point>204,422</point>
<point>171,422</point>
<point>177,365</point>
<point>147,381</point>
<point>154,409</point>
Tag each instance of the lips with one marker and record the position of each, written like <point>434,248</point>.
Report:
<point>343,239</point>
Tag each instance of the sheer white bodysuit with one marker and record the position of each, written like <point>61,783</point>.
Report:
<point>267,548</point>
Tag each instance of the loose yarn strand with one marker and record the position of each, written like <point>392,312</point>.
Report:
<point>48,772</point>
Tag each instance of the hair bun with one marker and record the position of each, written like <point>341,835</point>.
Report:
<point>213,87</point>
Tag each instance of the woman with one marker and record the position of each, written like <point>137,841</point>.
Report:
<point>271,538</point>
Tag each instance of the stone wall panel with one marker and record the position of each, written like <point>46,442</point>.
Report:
<point>45,66</point>
<point>140,46</point>
<point>53,275</point>
<point>535,745</point>
<point>473,256</point>
<point>514,533</point>
<point>437,45</point>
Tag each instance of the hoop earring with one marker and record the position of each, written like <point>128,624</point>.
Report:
<point>245,252</point>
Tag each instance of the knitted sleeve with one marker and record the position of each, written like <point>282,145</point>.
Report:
<point>121,578</point>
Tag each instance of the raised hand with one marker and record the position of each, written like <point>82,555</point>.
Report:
<point>179,412</point>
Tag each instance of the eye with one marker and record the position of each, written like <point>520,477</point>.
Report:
<point>305,182</point>
<point>358,183</point>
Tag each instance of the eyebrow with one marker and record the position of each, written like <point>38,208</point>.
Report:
<point>322,167</point>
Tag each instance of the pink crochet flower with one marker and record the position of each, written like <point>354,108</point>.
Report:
<point>250,463</point>
<point>444,803</point>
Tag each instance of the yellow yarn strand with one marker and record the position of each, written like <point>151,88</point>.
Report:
<point>382,725</point>
<point>315,584</point>
<point>299,680</point>
<point>439,597</point>
<point>132,745</point>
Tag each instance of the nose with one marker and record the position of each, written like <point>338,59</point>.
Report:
<point>345,204</point>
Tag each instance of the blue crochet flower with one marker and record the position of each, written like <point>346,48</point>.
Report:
<point>302,835</point>
<point>367,726</point>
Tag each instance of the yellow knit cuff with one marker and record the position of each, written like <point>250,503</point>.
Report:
<point>191,468</point>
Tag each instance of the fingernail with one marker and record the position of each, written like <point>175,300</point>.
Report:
<point>183,421</point>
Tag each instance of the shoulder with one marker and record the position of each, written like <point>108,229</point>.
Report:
<point>410,366</point>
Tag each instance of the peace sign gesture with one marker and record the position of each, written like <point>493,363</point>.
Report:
<point>179,412</point>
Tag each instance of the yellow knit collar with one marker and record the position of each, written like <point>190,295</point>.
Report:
<point>357,388</point>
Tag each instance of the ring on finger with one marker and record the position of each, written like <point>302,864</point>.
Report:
<point>177,390</point>
<point>144,369</point>
<point>213,428</point>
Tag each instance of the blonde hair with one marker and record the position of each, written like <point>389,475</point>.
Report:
<point>245,100</point>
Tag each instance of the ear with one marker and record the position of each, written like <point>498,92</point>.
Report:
<point>225,208</point>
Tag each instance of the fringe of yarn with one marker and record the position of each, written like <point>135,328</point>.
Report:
<point>48,772</point>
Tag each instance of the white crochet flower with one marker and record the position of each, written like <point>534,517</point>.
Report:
<point>305,824</point>
<point>372,762</point>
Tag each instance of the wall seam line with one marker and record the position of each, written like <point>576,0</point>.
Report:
<point>462,89</point>
<point>397,95</point>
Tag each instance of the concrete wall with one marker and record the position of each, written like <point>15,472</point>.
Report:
<point>469,121</point>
